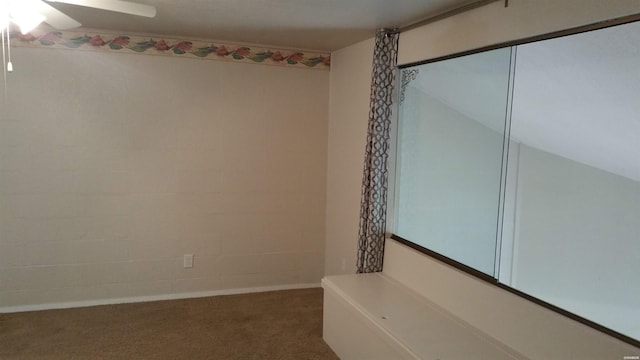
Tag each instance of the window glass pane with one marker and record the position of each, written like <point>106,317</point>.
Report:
<point>450,146</point>
<point>575,149</point>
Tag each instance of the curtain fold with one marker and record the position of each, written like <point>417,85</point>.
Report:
<point>373,205</point>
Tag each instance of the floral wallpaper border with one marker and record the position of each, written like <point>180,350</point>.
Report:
<point>157,45</point>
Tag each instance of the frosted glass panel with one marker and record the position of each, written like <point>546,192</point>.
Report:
<point>450,146</point>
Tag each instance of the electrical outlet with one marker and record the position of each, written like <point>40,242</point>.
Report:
<point>187,261</point>
<point>343,264</point>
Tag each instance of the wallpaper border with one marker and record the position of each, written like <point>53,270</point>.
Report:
<point>104,41</point>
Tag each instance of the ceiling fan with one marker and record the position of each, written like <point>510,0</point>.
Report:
<point>28,14</point>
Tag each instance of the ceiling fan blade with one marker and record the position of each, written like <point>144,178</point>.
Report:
<point>126,7</point>
<point>54,17</point>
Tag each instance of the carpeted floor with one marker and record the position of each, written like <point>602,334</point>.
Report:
<point>270,325</point>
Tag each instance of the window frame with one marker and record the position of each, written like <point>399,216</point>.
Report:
<point>392,208</point>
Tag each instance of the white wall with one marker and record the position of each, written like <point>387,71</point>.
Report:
<point>495,24</point>
<point>480,27</point>
<point>348,115</point>
<point>113,166</point>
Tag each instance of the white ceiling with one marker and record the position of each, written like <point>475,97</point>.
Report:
<point>576,96</point>
<point>323,25</point>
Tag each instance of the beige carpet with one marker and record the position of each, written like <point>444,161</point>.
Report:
<point>270,325</point>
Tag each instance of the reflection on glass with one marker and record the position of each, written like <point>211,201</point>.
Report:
<point>575,190</point>
<point>450,146</point>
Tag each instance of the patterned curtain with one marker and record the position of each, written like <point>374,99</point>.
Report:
<point>373,204</point>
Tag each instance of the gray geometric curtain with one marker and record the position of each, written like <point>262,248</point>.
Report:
<point>373,204</point>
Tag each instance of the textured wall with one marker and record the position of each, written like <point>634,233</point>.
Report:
<point>349,113</point>
<point>113,166</point>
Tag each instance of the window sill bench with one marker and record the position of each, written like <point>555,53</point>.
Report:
<point>371,316</point>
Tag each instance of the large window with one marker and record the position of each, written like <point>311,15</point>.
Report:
<point>523,163</point>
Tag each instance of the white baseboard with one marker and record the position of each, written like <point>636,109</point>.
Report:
<point>85,303</point>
